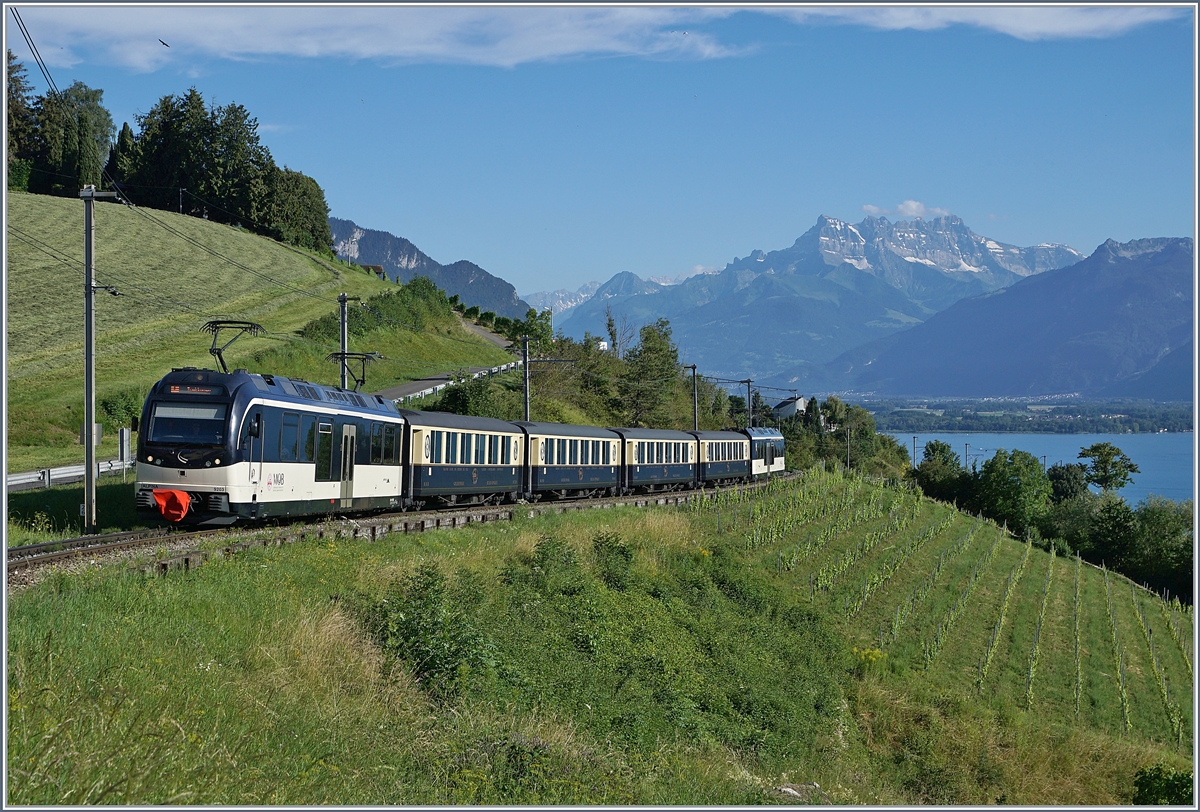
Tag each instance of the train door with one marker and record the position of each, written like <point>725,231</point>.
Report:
<point>347,476</point>
<point>768,453</point>
<point>253,433</point>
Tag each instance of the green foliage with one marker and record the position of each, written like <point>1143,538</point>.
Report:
<point>419,622</point>
<point>1067,481</point>
<point>940,473</point>
<point>69,141</point>
<point>21,121</point>
<point>411,306</point>
<point>487,318</point>
<point>118,409</point>
<point>473,396</point>
<point>1161,784</point>
<point>651,368</point>
<point>1109,467</point>
<point>1013,488</point>
<point>472,312</point>
<point>613,560</point>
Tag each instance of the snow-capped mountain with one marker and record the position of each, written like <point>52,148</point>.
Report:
<point>560,301</point>
<point>838,286</point>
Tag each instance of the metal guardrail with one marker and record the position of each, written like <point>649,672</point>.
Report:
<point>64,475</point>
<point>433,390</point>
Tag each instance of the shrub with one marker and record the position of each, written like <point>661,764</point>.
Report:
<point>1161,784</point>
<point>613,560</point>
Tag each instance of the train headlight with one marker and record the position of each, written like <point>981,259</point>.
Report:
<point>149,458</point>
<point>217,461</point>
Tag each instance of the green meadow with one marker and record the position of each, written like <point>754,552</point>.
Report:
<point>827,629</point>
<point>170,285</point>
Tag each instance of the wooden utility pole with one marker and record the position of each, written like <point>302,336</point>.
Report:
<point>89,195</point>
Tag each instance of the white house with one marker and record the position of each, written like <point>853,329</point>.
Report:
<point>791,406</point>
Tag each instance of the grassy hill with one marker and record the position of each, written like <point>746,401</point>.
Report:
<point>829,630</point>
<point>169,287</point>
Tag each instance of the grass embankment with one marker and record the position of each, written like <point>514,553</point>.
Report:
<point>614,656</point>
<point>169,289</point>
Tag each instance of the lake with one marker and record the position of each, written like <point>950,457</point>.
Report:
<point>1166,460</point>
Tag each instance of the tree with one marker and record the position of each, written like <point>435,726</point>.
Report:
<point>1161,554</point>
<point>1113,533</point>
<point>1067,481</point>
<point>72,133</point>
<point>122,155</point>
<point>21,122</point>
<point>297,212</point>
<point>834,412</point>
<point>940,472</point>
<point>652,368</point>
<point>1109,467</point>
<point>1014,489</point>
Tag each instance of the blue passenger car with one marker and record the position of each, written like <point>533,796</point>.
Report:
<point>657,459</point>
<point>455,458</point>
<point>567,460</point>
<point>723,455</point>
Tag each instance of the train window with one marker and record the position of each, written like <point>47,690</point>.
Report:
<point>464,447</point>
<point>584,449</point>
<point>192,423</point>
<point>289,437</point>
<point>451,447</point>
<point>308,431</point>
<point>389,445</point>
<point>606,452</point>
<point>548,452</point>
<point>376,443</point>
<point>324,453</point>
<point>506,449</point>
<point>595,452</point>
<point>562,452</point>
<point>480,448</point>
<point>493,449</point>
<point>573,450</point>
<point>436,455</point>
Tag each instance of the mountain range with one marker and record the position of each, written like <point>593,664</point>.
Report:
<point>401,261</point>
<point>1118,323</point>
<point>837,287</point>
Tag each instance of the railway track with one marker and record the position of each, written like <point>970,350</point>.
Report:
<point>20,562</point>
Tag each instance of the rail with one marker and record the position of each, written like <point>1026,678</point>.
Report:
<point>63,475</point>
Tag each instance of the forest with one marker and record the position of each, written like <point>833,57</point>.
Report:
<point>186,156</point>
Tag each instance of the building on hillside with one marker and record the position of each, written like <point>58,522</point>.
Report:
<point>790,407</point>
<point>378,271</point>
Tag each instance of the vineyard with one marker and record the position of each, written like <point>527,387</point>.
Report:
<point>956,601</point>
<point>824,638</point>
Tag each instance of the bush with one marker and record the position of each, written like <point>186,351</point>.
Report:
<point>420,624</point>
<point>613,560</point>
<point>1161,784</point>
<point>118,410</point>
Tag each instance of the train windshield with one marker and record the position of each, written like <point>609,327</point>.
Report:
<point>188,423</point>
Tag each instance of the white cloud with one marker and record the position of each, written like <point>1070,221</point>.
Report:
<point>487,36</point>
<point>500,36</point>
<point>914,208</point>
<point>909,208</point>
<point>1026,22</point>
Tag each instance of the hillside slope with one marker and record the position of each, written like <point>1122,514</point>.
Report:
<point>825,640</point>
<point>170,285</point>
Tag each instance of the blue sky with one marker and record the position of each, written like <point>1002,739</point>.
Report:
<point>553,146</point>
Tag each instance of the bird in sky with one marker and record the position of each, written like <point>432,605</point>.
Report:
<point>164,43</point>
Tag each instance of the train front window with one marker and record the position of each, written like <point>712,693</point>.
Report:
<point>188,423</point>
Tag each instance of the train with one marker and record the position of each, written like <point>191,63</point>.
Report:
<point>215,448</point>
